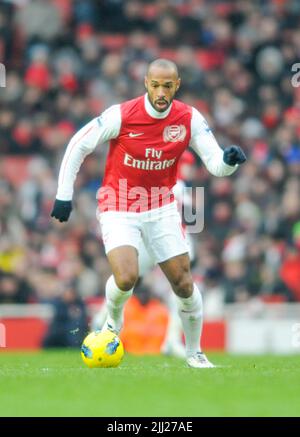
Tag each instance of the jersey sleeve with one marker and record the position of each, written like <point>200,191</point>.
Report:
<point>97,131</point>
<point>205,145</point>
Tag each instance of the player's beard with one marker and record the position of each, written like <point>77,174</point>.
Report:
<point>162,108</point>
<point>161,105</point>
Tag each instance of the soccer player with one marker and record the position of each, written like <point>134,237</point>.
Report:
<point>147,137</point>
<point>172,344</point>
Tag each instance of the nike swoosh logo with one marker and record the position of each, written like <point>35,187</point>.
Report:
<point>132,135</point>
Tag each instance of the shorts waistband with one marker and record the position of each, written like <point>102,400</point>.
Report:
<point>151,214</point>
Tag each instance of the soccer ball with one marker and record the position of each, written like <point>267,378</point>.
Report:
<point>102,349</point>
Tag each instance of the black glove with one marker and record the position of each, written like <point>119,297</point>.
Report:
<point>234,155</point>
<point>62,210</point>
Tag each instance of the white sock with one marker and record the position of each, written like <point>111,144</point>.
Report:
<point>174,328</point>
<point>191,314</point>
<point>115,301</point>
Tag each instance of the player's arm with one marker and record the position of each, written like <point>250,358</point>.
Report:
<point>219,162</point>
<point>84,142</point>
<point>182,196</point>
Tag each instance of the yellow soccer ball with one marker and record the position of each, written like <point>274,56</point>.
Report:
<point>102,349</point>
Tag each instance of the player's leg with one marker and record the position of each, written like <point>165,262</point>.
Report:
<point>145,265</point>
<point>99,318</point>
<point>173,344</point>
<point>121,239</point>
<point>123,261</point>
<point>177,270</point>
<point>145,260</point>
<point>119,286</point>
<point>170,250</point>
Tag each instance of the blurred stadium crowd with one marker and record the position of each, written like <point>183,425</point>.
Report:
<point>66,61</point>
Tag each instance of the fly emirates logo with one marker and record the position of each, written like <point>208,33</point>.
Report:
<point>152,160</point>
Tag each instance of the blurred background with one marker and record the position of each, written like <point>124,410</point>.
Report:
<point>66,61</point>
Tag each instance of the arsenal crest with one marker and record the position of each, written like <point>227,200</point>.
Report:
<point>174,133</point>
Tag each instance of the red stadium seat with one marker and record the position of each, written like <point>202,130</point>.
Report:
<point>168,54</point>
<point>113,42</point>
<point>209,59</point>
<point>273,298</point>
<point>16,169</point>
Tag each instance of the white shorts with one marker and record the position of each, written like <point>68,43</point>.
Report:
<point>159,230</point>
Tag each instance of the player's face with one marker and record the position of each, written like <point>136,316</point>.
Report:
<point>161,85</point>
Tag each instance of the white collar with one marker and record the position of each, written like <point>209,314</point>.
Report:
<point>152,112</point>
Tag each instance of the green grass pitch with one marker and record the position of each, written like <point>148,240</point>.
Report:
<point>57,383</point>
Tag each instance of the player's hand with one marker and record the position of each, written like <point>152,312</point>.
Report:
<point>62,210</point>
<point>234,155</point>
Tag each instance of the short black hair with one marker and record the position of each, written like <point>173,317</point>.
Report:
<point>163,63</point>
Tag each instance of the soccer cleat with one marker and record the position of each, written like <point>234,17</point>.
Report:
<point>199,361</point>
<point>109,327</point>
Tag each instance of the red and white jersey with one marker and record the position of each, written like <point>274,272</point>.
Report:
<point>145,147</point>
<point>141,166</point>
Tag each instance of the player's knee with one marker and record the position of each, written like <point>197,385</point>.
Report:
<point>184,286</point>
<point>126,280</point>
